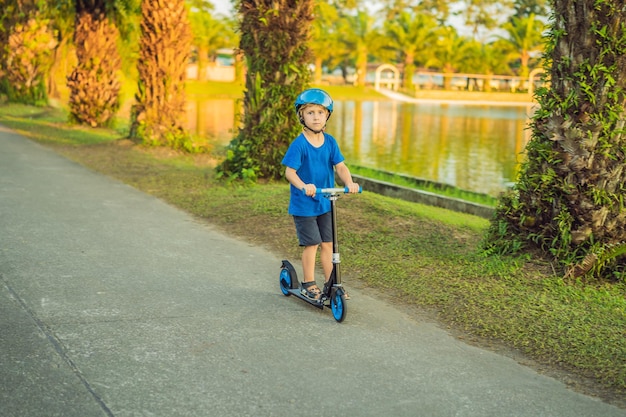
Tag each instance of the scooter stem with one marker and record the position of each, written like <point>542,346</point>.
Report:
<point>336,257</point>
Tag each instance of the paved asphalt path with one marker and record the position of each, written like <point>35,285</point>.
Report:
<point>113,303</point>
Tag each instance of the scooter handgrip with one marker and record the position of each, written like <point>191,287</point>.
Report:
<point>347,190</point>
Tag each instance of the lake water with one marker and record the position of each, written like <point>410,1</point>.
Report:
<point>473,147</point>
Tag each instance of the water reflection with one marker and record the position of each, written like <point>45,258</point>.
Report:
<point>214,119</point>
<point>476,148</point>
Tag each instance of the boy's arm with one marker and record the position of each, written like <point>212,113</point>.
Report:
<point>344,175</point>
<point>295,180</point>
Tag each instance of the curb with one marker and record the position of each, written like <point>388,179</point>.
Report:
<point>424,197</point>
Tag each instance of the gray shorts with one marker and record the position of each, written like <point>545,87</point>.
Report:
<point>314,230</point>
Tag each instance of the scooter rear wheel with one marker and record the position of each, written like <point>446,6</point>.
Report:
<point>285,281</point>
<point>338,305</point>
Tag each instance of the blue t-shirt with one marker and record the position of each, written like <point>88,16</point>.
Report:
<point>313,166</point>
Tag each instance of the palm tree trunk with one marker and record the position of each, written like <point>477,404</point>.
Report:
<point>409,70</point>
<point>569,198</point>
<point>361,64</point>
<point>94,85</point>
<point>158,117</point>
<point>317,74</point>
<point>202,62</point>
<point>28,59</point>
<point>274,35</point>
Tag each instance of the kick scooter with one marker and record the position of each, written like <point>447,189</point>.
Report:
<point>333,294</point>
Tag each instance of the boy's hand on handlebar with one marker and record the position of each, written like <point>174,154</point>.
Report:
<point>309,190</point>
<point>353,187</point>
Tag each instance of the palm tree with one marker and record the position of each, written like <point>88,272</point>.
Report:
<point>274,36</point>
<point>62,14</point>
<point>568,203</point>
<point>484,13</point>
<point>94,85</point>
<point>527,7</point>
<point>451,53</point>
<point>439,9</point>
<point>488,59</point>
<point>26,49</point>
<point>158,116</point>
<point>360,37</point>
<point>334,39</point>
<point>525,37</point>
<point>325,42</point>
<point>209,34</point>
<point>413,37</point>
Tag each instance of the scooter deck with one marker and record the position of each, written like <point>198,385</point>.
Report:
<point>317,303</point>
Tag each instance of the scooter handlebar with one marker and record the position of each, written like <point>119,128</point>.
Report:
<point>337,190</point>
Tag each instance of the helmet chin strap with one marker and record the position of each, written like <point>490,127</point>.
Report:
<point>304,126</point>
<point>314,131</point>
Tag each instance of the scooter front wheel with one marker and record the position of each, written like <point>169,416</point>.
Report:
<point>338,305</point>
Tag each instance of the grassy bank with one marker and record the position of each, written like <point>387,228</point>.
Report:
<point>422,258</point>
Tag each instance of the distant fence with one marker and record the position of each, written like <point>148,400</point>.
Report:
<point>471,82</point>
<point>387,76</point>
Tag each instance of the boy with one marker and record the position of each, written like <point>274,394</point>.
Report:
<point>311,161</point>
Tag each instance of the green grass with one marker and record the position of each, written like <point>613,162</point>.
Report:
<point>421,256</point>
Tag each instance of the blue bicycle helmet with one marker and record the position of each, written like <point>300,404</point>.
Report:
<point>315,96</point>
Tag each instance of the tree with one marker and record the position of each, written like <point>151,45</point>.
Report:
<point>26,46</point>
<point>359,36</point>
<point>94,84</point>
<point>209,34</point>
<point>274,36</point>
<point>338,38</point>
<point>413,37</point>
<point>488,59</point>
<point>569,200</point>
<point>451,52</point>
<point>158,116</point>
<point>61,13</point>
<point>325,42</point>
<point>484,13</point>
<point>439,9</point>
<point>524,8</point>
<point>29,58</point>
<point>525,37</point>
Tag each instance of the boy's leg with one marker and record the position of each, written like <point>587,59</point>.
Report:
<point>324,223</point>
<point>308,262</point>
<point>326,257</point>
<point>309,237</point>
<point>308,286</point>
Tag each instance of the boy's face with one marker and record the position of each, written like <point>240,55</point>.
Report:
<point>314,116</point>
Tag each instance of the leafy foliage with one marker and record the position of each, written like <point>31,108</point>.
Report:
<point>273,38</point>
